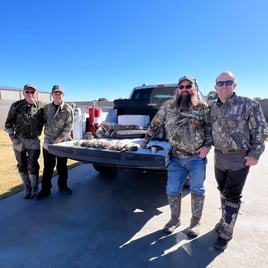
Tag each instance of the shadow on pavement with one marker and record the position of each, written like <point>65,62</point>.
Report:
<point>103,224</point>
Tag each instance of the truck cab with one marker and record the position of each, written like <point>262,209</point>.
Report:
<point>145,99</point>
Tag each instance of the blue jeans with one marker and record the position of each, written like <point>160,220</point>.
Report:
<point>179,168</point>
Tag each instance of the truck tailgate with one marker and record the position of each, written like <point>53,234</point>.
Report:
<point>142,158</point>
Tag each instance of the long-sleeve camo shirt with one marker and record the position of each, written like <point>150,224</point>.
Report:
<point>185,131</point>
<point>58,122</point>
<point>24,120</point>
<point>238,124</point>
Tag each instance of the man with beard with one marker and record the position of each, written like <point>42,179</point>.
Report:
<point>186,121</point>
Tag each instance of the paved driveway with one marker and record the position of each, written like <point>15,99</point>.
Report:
<point>117,224</point>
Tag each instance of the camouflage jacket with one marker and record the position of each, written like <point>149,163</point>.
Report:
<point>185,131</point>
<point>24,119</point>
<point>58,122</point>
<point>238,124</point>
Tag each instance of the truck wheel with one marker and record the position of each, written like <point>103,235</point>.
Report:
<point>105,170</point>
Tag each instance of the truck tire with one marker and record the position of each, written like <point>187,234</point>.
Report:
<point>105,170</point>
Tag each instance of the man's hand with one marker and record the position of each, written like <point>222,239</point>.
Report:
<point>16,141</point>
<point>203,151</point>
<point>58,140</point>
<point>250,161</point>
<point>143,145</point>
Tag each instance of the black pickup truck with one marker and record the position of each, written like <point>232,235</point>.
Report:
<point>108,154</point>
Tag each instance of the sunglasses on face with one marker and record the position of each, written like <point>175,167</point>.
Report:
<point>186,87</point>
<point>57,93</point>
<point>29,92</point>
<point>226,83</point>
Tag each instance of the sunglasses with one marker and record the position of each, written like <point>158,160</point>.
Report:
<point>226,83</point>
<point>187,86</point>
<point>29,92</point>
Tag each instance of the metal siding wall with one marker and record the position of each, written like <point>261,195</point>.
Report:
<point>4,108</point>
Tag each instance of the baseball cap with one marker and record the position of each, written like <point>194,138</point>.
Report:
<point>189,78</point>
<point>57,88</point>
<point>29,86</point>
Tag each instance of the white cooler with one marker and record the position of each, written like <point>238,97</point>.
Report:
<point>139,120</point>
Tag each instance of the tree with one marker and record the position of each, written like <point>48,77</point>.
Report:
<point>212,95</point>
<point>102,99</point>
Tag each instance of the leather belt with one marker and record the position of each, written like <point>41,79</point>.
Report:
<point>233,152</point>
<point>180,154</point>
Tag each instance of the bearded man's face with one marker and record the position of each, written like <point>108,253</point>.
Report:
<point>184,95</point>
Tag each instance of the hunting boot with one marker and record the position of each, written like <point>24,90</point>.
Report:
<point>226,232</point>
<point>26,183</point>
<point>175,207</point>
<point>197,203</point>
<point>34,185</point>
<point>219,225</point>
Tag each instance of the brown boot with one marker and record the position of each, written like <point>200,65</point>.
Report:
<point>175,207</point>
<point>197,203</point>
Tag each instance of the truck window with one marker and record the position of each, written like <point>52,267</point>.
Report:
<point>163,93</point>
<point>154,93</point>
<point>142,94</point>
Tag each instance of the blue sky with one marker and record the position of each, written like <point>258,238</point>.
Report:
<point>104,48</point>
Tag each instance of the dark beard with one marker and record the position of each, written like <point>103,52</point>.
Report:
<point>184,102</point>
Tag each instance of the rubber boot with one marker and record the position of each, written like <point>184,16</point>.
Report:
<point>175,207</point>
<point>34,185</point>
<point>197,204</point>
<point>27,184</point>
<point>219,225</point>
<point>226,232</point>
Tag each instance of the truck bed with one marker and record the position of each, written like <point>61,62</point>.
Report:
<point>139,159</point>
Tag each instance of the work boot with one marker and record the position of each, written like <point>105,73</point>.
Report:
<point>66,190</point>
<point>231,212</point>
<point>43,194</point>
<point>221,243</point>
<point>197,204</point>
<point>27,184</point>
<point>175,207</point>
<point>226,232</point>
<point>34,185</point>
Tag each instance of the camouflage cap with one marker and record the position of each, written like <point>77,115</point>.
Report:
<point>188,78</point>
<point>57,88</point>
<point>29,86</point>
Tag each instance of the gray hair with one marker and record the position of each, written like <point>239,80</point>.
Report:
<point>228,73</point>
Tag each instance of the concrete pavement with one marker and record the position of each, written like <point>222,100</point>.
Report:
<point>117,224</point>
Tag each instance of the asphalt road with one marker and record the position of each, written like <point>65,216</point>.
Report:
<point>118,224</point>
